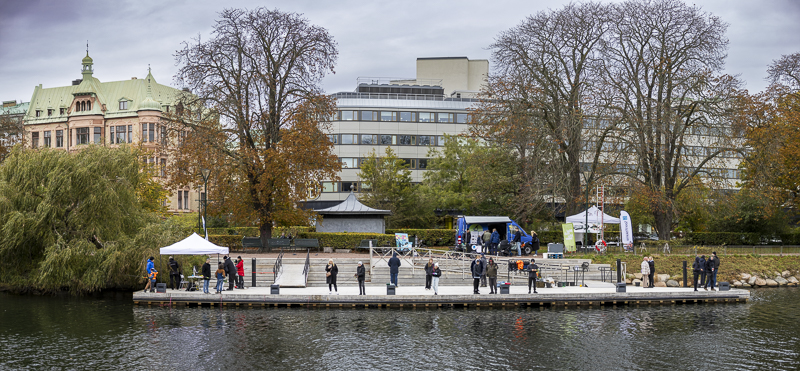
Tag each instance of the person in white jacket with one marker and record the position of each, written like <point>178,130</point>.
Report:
<point>645,272</point>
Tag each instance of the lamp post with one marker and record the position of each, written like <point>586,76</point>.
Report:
<point>205,173</point>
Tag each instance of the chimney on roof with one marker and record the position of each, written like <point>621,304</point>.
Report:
<point>77,81</point>
<point>186,90</point>
<point>9,103</point>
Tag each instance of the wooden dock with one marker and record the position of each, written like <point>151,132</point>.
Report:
<point>598,294</point>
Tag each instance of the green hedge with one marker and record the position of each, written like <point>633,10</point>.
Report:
<point>431,237</point>
<point>347,240</point>
<point>735,238</point>
<point>253,231</point>
<point>234,243</point>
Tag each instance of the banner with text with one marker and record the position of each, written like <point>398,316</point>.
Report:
<point>625,228</point>
<point>569,237</point>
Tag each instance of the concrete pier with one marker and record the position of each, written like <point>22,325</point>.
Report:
<point>596,294</point>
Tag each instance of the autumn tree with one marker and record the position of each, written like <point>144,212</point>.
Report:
<point>671,108</point>
<point>256,115</point>
<point>540,97</point>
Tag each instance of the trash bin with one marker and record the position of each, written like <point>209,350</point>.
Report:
<point>390,289</point>
<point>161,288</point>
<point>724,286</point>
<point>504,286</point>
<point>620,286</point>
<point>275,289</point>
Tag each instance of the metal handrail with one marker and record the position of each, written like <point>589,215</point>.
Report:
<point>307,266</point>
<point>277,267</point>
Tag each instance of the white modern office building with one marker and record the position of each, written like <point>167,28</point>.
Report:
<point>410,115</point>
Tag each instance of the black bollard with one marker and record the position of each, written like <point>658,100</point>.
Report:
<point>684,273</point>
<point>253,272</point>
<point>619,270</point>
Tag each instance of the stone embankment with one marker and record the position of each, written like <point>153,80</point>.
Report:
<point>746,280</point>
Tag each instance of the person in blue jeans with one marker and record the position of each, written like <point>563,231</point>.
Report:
<point>495,240</point>
<point>220,278</point>
<point>206,271</point>
<point>394,268</point>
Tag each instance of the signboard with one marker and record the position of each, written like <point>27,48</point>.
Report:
<point>625,228</point>
<point>569,237</point>
<point>402,240</point>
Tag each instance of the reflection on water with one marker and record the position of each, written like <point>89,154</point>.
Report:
<point>48,332</point>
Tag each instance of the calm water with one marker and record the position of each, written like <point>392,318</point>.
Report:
<point>111,333</point>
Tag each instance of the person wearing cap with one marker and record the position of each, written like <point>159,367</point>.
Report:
<point>533,273</point>
<point>436,273</point>
<point>361,275</point>
<point>476,268</point>
<point>151,283</point>
<point>174,274</point>
<point>240,272</point>
<point>491,273</point>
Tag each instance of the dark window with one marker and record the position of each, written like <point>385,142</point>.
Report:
<point>121,130</point>
<point>422,163</point>
<point>98,135</point>
<point>388,140</point>
<point>426,116</point>
<point>49,112</point>
<point>349,186</point>
<point>425,140</point>
<point>163,171</point>
<point>369,116</point>
<point>406,140</point>
<point>38,113</point>
<point>388,116</point>
<point>411,162</point>
<point>186,200</point>
<point>446,117</point>
<point>408,116</point>
<point>47,139</point>
<point>34,139</point>
<point>180,200</point>
<point>61,111</point>
<point>369,139</point>
<point>130,133</point>
<point>349,115</point>
<point>123,105</point>
<point>88,106</point>
<point>59,138</point>
<point>349,139</point>
<point>83,136</point>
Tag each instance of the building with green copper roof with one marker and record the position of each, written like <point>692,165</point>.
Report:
<point>109,114</point>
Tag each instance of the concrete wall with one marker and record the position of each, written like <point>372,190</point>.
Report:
<point>352,224</point>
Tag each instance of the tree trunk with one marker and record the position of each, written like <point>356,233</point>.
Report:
<point>663,220</point>
<point>265,232</point>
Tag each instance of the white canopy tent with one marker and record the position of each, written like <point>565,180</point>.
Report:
<point>193,245</point>
<point>594,217</point>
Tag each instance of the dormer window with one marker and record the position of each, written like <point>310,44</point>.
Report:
<point>61,111</point>
<point>38,113</point>
<point>49,112</point>
<point>123,105</point>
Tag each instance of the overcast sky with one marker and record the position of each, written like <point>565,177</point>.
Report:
<point>43,42</point>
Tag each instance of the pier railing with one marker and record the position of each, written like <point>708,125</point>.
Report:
<point>277,268</point>
<point>307,266</point>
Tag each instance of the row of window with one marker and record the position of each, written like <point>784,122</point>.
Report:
<point>345,186</point>
<point>117,135</point>
<point>683,170</point>
<point>388,139</point>
<point>356,162</point>
<point>402,116</point>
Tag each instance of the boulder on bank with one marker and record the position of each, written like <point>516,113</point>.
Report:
<point>737,283</point>
<point>662,278</point>
<point>672,283</point>
<point>746,285</point>
<point>752,280</point>
<point>745,277</point>
<point>660,284</point>
<point>785,274</point>
<point>637,276</point>
<point>792,279</point>
<point>772,283</point>
<point>781,281</point>
<point>759,282</point>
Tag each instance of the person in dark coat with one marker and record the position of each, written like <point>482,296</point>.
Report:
<point>331,270</point>
<point>477,270</point>
<point>483,275</point>
<point>230,271</point>
<point>652,271</point>
<point>206,272</point>
<point>711,264</point>
<point>495,240</point>
<point>716,267</point>
<point>698,269</point>
<point>491,274</point>
<point>361,275</point>
<point>394,269</point>
<point>174,274</point>
<point>534,243</point>
<point>517,241</point>
<point>533,274</point>
<point>428,274</point>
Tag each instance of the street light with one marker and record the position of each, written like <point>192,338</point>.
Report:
<point>205,173</point>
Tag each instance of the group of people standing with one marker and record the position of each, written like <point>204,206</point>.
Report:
<point>233,271</point>
<point>706,271</point>
<point>648,272</point>
<point>489,242</point>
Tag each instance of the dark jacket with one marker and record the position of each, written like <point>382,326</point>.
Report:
<point>206,271</point>
<point>174,267</point>
<point>361,272</point>
<point>230,268</point>
<point>428,268</point>
<point>517,236</point>
<point>485,263</point>
<point>533,270</point>
<point>710,264</point>
<point>716,263</point>
<point>495,237</point>
<point>476,268</point>
<point>535,242</point>
<point>699,264</point>
<point>491,270</point>
<point>334,271</point>
<point>652,266</point>
<point>436,272</point>
<point>394,264</point>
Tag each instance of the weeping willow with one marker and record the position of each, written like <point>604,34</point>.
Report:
<point>77,221</point>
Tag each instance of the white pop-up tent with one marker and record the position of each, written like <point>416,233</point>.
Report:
<point>594,217</point>
<point>193,245</point>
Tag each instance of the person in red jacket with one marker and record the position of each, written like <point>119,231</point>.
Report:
<point>240,272</point>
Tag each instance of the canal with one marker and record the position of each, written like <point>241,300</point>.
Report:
<point>110,333</point>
